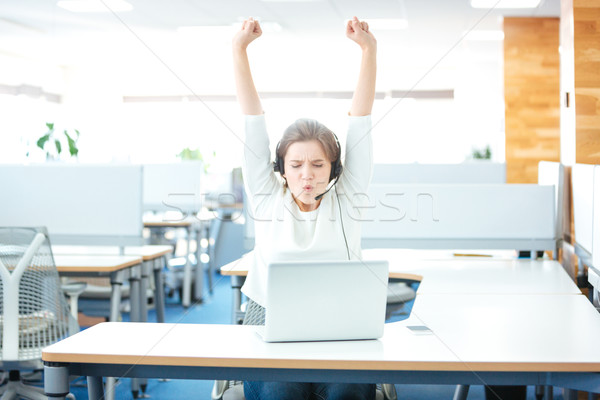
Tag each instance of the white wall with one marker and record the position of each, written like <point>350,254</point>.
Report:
<point>428,131</point>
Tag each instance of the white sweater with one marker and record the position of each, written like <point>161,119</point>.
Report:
<point>282,231</point>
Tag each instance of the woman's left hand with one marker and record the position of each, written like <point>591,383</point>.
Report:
<point>358,31</point>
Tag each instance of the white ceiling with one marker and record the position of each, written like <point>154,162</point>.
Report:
<point>145,43</point>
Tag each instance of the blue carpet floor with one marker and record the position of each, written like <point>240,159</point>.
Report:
<point>217,309</point>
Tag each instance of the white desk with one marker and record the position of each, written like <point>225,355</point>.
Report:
<point>114,267</point>
<point>151,256</point>
<point>489,339</point>
<point>498,274</point>
<point>441,273</point>
<point>117,268</point>
<point>200,227</point>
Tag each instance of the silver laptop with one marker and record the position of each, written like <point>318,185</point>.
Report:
<point>325,300</point>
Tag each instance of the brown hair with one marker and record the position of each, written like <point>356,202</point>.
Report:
<point>304,130</point>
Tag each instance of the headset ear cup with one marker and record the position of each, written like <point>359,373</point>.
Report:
<point>278,163</point>
<point>336,166</point>
<point>336,170</point>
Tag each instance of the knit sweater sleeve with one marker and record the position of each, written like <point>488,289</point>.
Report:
<point>259,178</point>
<point>358,163</point>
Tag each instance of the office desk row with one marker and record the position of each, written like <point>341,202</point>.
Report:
<point>200,228</point>
<point>475,339</point>
<point>135,264</point>
<point>501,273</point>
<point>523,323</point>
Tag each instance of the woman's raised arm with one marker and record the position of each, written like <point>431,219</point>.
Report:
<point>364,94</point>
<point>246,92</point>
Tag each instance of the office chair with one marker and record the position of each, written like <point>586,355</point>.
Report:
<point>34,311</point>
<point>399,293</point>
<point>234,390</point>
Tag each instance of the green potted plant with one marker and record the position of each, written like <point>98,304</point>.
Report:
<point>482,154</point>
<point>50,142</point>
<point>188,154</point>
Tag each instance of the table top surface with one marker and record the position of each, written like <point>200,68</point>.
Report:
<point>469,333</point>
<point>178,220</point>
<point>148,252</point>
<point>445,274</point>
<point>94,263</point>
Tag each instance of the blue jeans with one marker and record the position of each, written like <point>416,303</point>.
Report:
<point>308,391</point>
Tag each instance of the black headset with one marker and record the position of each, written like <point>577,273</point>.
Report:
<point>336,165</point>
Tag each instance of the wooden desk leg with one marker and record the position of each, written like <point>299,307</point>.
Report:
<point>95,388</point>
<point>144,291</point>
<point>135,297</point>
<point>159,290</point>
<point>236,285</point>
<point>111,382</point>
<point>145,270</point>
<point>187,273</point>
<point>213,238</point>
<point>461,392</point>
<point>116,282</point>
<point>569,394</point>
<point>56,381</point>
<point>210,264</point>
<point>199,272</point>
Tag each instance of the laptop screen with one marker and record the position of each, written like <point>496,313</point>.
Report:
<point>325,300</point>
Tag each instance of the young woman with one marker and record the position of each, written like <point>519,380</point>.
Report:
<point>305,205</point>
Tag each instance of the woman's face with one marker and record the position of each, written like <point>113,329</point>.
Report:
<point>307,171</point>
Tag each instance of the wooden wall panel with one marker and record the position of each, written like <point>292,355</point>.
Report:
<point>532,95</point>
<point>586,19</point>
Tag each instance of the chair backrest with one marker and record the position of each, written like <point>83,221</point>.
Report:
<point>33,312</point>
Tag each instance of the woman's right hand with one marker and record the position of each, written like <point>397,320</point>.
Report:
<point>250,31</point>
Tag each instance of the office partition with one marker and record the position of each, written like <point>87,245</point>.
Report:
<point>475,172</point>
<point>459,217</point>
<point>586,212</point>
<point>78,203</point>
<point>553,173</point>
<point>173,187</point>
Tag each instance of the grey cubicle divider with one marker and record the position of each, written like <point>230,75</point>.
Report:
<point>456,217</point>
<point>78,203</point>
<point>553,174</point>
<point>459,217</point>
<point>173,187</point>
<point>586,212</point>
<point>474,172</point>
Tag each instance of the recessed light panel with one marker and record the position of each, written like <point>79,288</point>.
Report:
<point>505,3</point>
<point>95,6</point>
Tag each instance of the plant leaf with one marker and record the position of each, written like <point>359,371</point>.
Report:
<point>50,125</point>
<point>42,141</point>
<point>58,146</point>
<point>72,145</point>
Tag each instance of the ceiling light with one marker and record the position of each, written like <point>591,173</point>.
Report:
<point>291,1</point>
<point>505,3</point>
<point>480,35</point>
<point>387,24</point>
<point>206,29</point>
<point>95,5</point>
